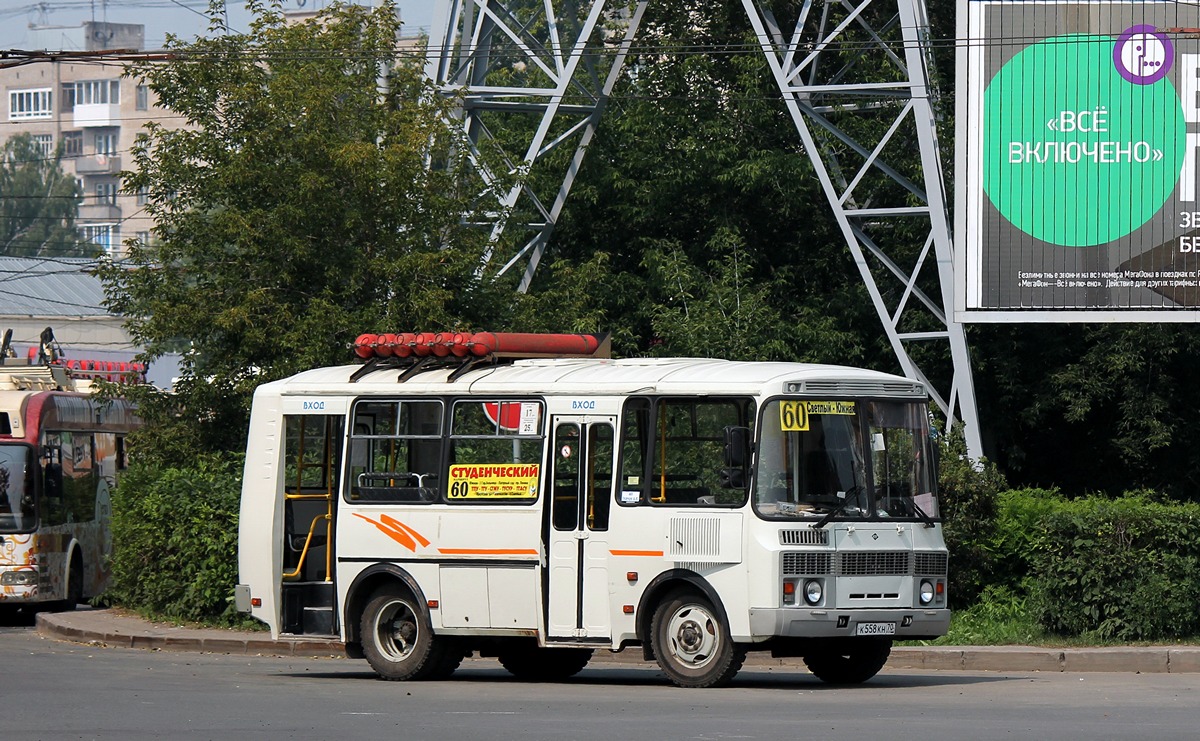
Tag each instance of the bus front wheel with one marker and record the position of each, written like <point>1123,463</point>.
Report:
<point>692,643</point>
<point>398,640</point>
<point>851,661</point>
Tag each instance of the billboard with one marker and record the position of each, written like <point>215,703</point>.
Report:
<point>1078,125</point>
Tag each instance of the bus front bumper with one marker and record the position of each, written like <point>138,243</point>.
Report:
<point>803,622</point>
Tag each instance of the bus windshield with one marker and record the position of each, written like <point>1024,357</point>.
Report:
<point>17,511</point>
<point>845,459</point>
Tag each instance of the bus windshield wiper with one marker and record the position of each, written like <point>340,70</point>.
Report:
<point>919,513</point>
<point>836,510</point>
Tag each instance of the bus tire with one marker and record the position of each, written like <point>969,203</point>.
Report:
<point>849,661</point>
<point>451,655</point>
<point>398,640</point>
<point>692,643</point>
<point>537,664</point>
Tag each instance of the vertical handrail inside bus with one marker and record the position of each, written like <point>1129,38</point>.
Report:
<point>328,498</point>
<point>662,455</point>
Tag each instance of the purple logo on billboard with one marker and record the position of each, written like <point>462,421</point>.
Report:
<point>1143,55</point>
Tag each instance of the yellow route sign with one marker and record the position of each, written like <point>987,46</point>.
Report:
<point>494,481</point>
<point>793,415</point>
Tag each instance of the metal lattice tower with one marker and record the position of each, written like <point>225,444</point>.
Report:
<point>836,60</point>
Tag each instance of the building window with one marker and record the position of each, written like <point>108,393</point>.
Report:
<point>142,237</point>
<point>143,97</point>
<point>66,97</point>
<point>45,144</point>
<point>72,142</point>
<point>92,92</point>
<point>143,195</point>
<point>106,143</point>
<point>26,104</point>
<point>106,192</point>
<point>105,236</point>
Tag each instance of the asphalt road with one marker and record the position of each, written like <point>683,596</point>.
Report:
<point>58,690</point>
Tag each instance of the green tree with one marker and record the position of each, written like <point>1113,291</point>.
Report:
<point>293,210</point>
<point>37,202</point>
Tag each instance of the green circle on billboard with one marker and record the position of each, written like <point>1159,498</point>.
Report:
<point>1076,153</point>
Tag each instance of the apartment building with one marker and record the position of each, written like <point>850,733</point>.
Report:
<point>93,112</point>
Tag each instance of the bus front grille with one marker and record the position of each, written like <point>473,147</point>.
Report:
<point>874,563</point>
<point>811,563</point>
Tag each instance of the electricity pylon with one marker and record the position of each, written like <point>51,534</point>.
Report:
<point>834,61</point>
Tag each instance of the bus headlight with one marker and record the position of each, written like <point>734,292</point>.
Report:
<point>926,592</point>
<point>813,591</point>
<point>25,578</point>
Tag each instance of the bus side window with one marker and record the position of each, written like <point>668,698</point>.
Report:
<point>682,440</point>
<point>395,451</point>
<point>635,422</point>
<point>53,509</point>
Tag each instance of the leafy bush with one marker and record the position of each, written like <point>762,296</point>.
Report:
<point>1021,514</point>
<point>175,539</point>
<point>1127,568</point>
<point>968,494</point>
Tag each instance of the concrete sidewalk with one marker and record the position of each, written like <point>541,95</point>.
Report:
<point>115,628</point>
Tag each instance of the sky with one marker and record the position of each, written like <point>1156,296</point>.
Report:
<point>185,18</point>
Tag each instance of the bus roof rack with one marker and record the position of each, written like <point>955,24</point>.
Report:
<point>417,352</point>
<point>45,368</point>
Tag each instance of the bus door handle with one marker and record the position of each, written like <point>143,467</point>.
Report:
<point>581,535</point>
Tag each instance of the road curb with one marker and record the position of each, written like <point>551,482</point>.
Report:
<point>126,633</point>
<point>115,628</point>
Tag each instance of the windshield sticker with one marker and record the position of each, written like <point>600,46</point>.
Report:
<point>505,481</point>
<point>793,415</point>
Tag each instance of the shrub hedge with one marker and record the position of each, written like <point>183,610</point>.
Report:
<point>1126,568</point>
<point>175,539</point>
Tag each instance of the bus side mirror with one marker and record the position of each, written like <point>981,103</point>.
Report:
<point>737,457</point>
<point>737,446</point>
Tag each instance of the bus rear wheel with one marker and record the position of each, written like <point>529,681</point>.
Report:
<point>852,661</point>
<point>692,643</point>
<point>398,640</point>
<point>537,664</point>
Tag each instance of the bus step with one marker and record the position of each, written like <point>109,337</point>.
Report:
<point>302,598</point>
<point>317,621</point>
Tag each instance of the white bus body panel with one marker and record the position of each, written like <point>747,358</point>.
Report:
<point>482,565</point>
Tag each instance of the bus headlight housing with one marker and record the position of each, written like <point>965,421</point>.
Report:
<point>814,590</point>
<point>926,593</point>
<point>25,578</point>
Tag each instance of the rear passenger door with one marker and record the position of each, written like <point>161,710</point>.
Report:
<point>576,530</point>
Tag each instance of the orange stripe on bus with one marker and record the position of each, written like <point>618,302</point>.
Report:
<point>488,551</point>
<point>636,553</point>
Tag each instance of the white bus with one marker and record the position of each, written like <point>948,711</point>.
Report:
<point>459,495</point>
<point>61,448</point>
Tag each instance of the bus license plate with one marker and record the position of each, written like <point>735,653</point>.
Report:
<point>876,629</point>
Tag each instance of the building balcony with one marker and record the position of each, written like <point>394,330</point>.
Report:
<point>100,164</point>
<point>92,115</point>
<point>99,212</point>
